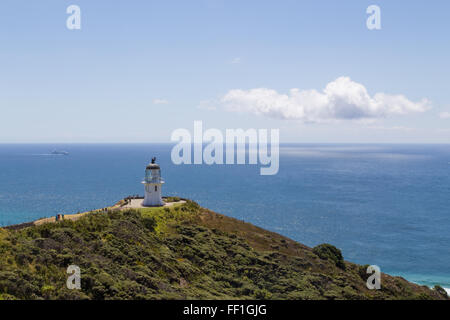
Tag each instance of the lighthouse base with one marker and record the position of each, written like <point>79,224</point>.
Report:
<point>138,204</point>
<point>152,199</point>
<point>153,196</point>
<point>150,203</point>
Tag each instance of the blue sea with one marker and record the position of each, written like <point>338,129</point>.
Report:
<point>387,205</point>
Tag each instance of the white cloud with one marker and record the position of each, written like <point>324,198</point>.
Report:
<point>160,101</point>
<point>342,99</point>
<point>236,60</point>
<point>444,115</point>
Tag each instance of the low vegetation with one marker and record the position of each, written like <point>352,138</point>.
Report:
<point>180,252</point>
<point>329,252</point>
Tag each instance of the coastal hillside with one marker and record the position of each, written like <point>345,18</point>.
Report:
<point>180,252</point>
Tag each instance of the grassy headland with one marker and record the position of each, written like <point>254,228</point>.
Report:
<point>180,252</point>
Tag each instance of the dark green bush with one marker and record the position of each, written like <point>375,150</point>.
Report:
<point>329,252</point>
<point>362,271</point>
<point>172,199</point>
<point>150,223</point>
<point>440,290</point>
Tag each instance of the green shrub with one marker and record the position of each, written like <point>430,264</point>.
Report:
<point>150,223</point>
<point>422,296</point>
<point>172,199</point>
<point>262,294</point>
<point>440,290</point>
<point>329,252</point>
<point>362,271</point>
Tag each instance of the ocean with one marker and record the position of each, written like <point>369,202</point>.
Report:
<point>386,205</point>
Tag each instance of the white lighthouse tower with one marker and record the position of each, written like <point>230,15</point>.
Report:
<point>153,183</point>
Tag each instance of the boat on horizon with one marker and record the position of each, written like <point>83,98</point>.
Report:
<point>60,153</point>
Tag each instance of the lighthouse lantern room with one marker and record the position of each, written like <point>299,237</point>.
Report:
<point>153,183</point>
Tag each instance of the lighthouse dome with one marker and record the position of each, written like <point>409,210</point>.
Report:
<point>153,173</point>
<point>152,166</point>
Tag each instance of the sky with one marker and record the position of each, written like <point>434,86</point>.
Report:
<point>138,70</point>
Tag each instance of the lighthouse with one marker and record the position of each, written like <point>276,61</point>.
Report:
<point>153,183</point>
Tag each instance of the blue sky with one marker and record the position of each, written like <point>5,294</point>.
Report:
<point>137,70</point>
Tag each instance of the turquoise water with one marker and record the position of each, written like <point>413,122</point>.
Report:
<point>381,204</point>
